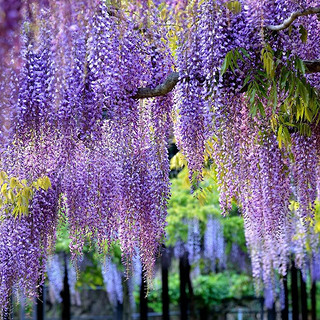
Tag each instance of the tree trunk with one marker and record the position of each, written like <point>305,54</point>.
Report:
<point>183,262</point>
<point>119,311</point>
<point>304,298</point>
<point>143,298</point>
<point>272,315</point>
<point>261,308</point>
<point>127,312</point>
<point>285,310</point>
<point>165,261</point>
<point>191,297</point>
<point>314,300</point>
<point>40,305</point>
<point>294,292</point>
<point>204,313</point>
<point>65,294</point>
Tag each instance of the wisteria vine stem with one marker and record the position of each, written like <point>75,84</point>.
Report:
<point>294,15</point>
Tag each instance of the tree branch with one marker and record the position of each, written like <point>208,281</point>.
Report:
<point>295,15</point>
<point>312,66</point>
<point>160,90</point>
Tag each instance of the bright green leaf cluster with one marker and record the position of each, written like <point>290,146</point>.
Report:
<point>16,194</point>
<point>231,60</point>
<point>234,6</point>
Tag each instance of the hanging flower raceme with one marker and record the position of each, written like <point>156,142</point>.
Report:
<point>250,166</point>
<point>117,186</point>
<point>114,176</point>
<point>214,245</point>
<point>55,274</point>
<point>112,278</point>
<point>76,119</point>
<point>193,241</point>
<point>25,244</point>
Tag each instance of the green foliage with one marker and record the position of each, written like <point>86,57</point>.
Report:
<point>231,60</point>
<point>63,239</point>
<point>184,205</point>
<point>178,161</point>
<point>201,205</point>
<point>213,289</point>
<point>303,33</point>
<point>234,6</point>
<point>91,276</point>
<point>299,104</point>
<point>209,290</point>
<point>16,194</point>
<point>233,232</point>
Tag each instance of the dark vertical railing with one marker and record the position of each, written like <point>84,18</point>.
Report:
<point>127,310</point>
<point>294,292</point>
<point>165,262</point>
<point>65,294</point>
<point>183,266</point>
<point>285,309</point>
<point>143,297</point>
<point>40,305</point>
<point>314,300</point>
<point>119,311</point>
<point>304,297</point>
<point>272,315</point>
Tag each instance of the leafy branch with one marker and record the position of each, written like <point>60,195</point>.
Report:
<point>15,194</point>
<point>298,105</point>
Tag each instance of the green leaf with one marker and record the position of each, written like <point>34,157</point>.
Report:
<point>284,77</point>
<point>245,53</point>
<point>303,33</point>
<point>261,109</point>
<point>300,66</point>
<point>246,80</point>
<point>308,114</point>
<point>234,6</point>
<point>4,188</point>
<point>13,182</point>
<point>253,95</point>
<point>225,65</point>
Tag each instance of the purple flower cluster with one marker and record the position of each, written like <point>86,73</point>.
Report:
<point>24,245</point>
<point>214,245</point>
<point>315,266</point>
<point>193,241</point>
<point>55,273</point>
<point>112,278</point>
<point>68,111</point>
<point>238,258</point>
<point>191,125</point>
<point>76,121</point>
<point>10,17</point>
<point>264,179</point>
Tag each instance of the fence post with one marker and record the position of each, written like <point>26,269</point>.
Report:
<point>65,294</point>
<point>304,297</point>
<point>143,297</point>
<point>165,261</point>
<point>313,300</point>
<point>294,292</point>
